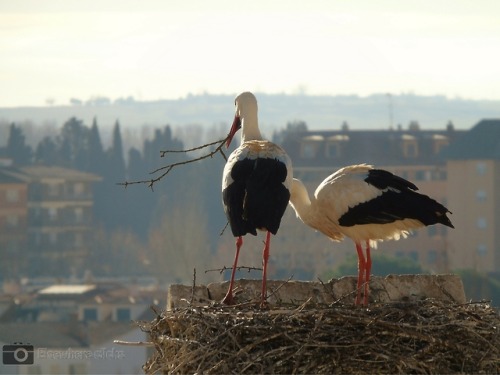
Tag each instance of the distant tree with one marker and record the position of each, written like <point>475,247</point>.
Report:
<point>74,144</point>
<point>480,286</point>
<point>96,156</point>
<point>117,253</point>
<point>179,242</point>
<point>17,149</point>
<point>292,128</point>
<point>139,202</point>
<point>47,152</point>
<point>110,208</point>
<point>116,161</point>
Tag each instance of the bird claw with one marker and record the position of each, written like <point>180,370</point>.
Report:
<point>228,299</point>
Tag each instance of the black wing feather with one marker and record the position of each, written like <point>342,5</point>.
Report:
<point>257,198</point>
<point>398,201</point>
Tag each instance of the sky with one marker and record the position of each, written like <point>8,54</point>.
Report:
<point>52,51</point>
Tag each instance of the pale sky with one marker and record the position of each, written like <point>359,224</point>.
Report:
<point>166,49</point>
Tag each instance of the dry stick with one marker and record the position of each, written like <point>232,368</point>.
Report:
<point>163,153</point>
<point>279,287</point>
<point>238,268</point>
<point>133,343</point>
<point>194,286</point>
<point>169,167</point>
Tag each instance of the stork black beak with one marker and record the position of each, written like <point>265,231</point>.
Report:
<point>234,128</point>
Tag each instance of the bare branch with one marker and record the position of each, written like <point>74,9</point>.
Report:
<point>193,287</point>
<point>239,268</point>
<point>167,168</point>
<point>133,343</point>
<point>163,153</point>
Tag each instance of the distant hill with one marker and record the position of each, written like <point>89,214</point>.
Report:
<point>319,112</point>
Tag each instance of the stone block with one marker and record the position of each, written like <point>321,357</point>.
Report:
<point>391,288</point>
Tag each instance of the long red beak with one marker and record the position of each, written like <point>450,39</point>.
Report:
<point>234,128</point>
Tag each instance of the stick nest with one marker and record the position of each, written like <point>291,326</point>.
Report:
<point>427,336</point>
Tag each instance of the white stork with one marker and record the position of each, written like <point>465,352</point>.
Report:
<point>255,184</point>
<point>366,205</point>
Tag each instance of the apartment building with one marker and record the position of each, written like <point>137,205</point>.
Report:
<point>413,153</point>
<point>71,328</point>
<point>473,190</point>
<point>59,204</point>
<point>13,223</point>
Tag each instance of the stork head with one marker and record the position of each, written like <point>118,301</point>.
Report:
<point>245,114</point>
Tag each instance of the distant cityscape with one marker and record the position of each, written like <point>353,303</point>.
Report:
<point>63,210</point>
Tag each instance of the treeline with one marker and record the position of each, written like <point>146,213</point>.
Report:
<point>187,201</point>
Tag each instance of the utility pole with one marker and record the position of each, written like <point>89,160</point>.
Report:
<point>391,114</point>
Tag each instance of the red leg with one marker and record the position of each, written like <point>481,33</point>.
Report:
<point>228,298</point>
<point>361,271</point>
<point>265,259</point>
<point>368,268</point>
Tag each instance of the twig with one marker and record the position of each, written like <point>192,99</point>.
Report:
<point>133,343</point>
<point>163,153</point>
<point>280,286</point>
<point>224,229</point>
<point>239,268</point>
<point>169,167</point>
<point>194,285</point>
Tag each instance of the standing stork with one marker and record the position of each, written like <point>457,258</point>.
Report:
<point>366,205</point>
<point>255,184</point>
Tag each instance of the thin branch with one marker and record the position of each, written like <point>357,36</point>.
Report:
<point>224,229</point>
<point>239,268</point>
<point>163,153</point>
<point>280,286</point>
<point>169,167</point>
<point>133,343</point>
<point>193,287</point>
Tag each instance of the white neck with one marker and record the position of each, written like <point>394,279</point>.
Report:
<point>300,201</point>
<point>250,127</point>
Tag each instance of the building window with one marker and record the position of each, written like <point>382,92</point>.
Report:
<point>423,175</point>
<point>123,314</point>
<point>90,314</point>
<point>410,149</point>
<point>333,150</point>
<point>33,370</point>
<point>79,215</point>
<point>481,223</point>
<point>37,238</point>
<point>308,150</point>
<point>481,169</point>
<point>78,188</point>
<point>53,190</point>
<point>12,221</point>
<point>52,213</point>
<point>77,368</point>
<point>52,238</point>
<point>481,249</point>
<point>481,196</point>
<point>78,239</point>
<point>12,196</point>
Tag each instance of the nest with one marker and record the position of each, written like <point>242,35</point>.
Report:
<point>428,336</point>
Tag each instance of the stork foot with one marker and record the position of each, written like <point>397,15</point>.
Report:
<point>228,299</point>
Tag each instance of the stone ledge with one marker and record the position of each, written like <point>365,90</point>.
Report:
<point>391,288</point>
